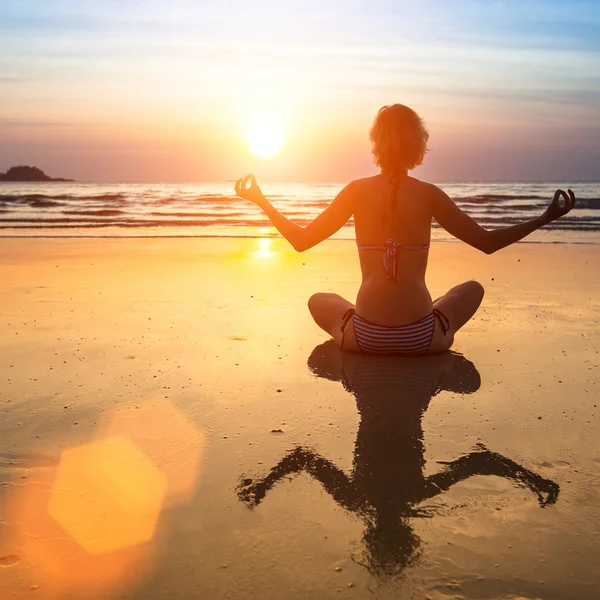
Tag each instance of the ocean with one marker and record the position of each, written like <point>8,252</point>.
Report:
<point>57,209</point>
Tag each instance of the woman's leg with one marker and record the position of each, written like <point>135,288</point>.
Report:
<point>328,311</point>
<point>458,305</point>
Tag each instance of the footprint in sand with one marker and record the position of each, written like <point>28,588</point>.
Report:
<point>9,561</point>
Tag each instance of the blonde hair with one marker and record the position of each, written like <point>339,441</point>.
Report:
<point>399,138</point>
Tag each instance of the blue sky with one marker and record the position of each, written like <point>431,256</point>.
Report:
<point>133,90</point>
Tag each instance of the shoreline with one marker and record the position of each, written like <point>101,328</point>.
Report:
<point>266,236</point>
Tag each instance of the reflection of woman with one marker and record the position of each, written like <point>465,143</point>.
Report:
<point>387,482</point>
<point>392,214</point>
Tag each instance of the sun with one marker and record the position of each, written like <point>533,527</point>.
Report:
<point>264,136</point>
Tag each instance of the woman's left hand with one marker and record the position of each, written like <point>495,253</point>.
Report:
<point>556,209</point>
<point>252,193</point>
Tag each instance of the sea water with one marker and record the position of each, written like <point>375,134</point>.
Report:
<point>212,209</point>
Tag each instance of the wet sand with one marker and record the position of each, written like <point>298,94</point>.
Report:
<point>175,426</point>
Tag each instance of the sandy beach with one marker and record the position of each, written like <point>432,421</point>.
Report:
<point>174,425</point>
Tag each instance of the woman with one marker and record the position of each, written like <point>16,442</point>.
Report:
<point>394,312</point>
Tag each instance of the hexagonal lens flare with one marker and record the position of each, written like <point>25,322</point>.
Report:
<point>168,438</point>
<point>107,495</point>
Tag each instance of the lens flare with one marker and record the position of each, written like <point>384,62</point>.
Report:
<point>107,495</point>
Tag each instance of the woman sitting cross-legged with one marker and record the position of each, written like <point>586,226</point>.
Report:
<point>394,312</point>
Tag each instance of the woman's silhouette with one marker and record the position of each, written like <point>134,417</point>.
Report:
<point>394,312</point>
<point>387,483</point>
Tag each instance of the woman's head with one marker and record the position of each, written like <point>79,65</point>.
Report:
<point>399,138</point>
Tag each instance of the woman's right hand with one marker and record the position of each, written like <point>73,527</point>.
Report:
<point>252,193</point>
<point>555,210</point>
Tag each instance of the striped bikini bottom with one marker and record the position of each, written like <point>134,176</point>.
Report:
<point>406,340</point>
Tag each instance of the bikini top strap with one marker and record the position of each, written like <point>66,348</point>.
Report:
<point>390,256</point>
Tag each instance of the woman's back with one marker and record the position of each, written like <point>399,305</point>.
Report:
<point>397,209</point>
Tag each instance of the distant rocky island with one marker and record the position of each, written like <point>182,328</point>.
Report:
<point>23,173</point>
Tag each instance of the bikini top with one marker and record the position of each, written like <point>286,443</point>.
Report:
<point>390,251</point>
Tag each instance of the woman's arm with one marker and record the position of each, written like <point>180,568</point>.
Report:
<point>334,217</point>
<point>334,480</point>
<point>462,226</point>
<point>486,462</point>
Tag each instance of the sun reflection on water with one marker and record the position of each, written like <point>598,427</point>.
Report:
<point>264,248</point>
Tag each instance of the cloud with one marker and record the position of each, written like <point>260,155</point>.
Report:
<point>23,123</point>
<point>13,79</point>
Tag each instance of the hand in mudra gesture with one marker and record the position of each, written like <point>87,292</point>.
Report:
<point>557,209</point>
<point>252,192</point>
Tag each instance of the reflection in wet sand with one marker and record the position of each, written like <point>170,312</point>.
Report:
<point>387,483</point>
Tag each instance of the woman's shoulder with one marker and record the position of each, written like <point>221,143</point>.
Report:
<point>426,185</point>
<point>426,188</point>
<point>365,181</point>
<point>368,185</point>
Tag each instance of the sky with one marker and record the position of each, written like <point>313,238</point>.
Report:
<point>145,90</point>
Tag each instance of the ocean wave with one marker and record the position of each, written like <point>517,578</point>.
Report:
<point>202,198</point>
<point>28,198</point>
<point>44,204</point>
<point>37,196</point>
<point>108,197</point>
<point>115,196</point>
<point>483,198</point>
<point>33,200</point>
<point>587,223</point>
<point>503,208</point>
<point>196,214</point>
<point>50,220</point>
<point>109,212</point>
<point>83,223</point>
<point>131,209</point>
<point>587,203</point>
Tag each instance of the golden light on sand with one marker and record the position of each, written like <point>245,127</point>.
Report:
<point>107,495</point>
<point>168,438</point>
<point>264,136</point>
<point>50,560</point>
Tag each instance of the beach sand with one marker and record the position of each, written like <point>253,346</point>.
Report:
<point>174,425</point>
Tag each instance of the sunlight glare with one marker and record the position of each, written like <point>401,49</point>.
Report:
<point>264,248</point>
<point>107,495</point>
<point>168,438</point>
<point>264,136</point>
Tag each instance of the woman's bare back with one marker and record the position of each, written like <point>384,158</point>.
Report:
<point>398,209</point>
